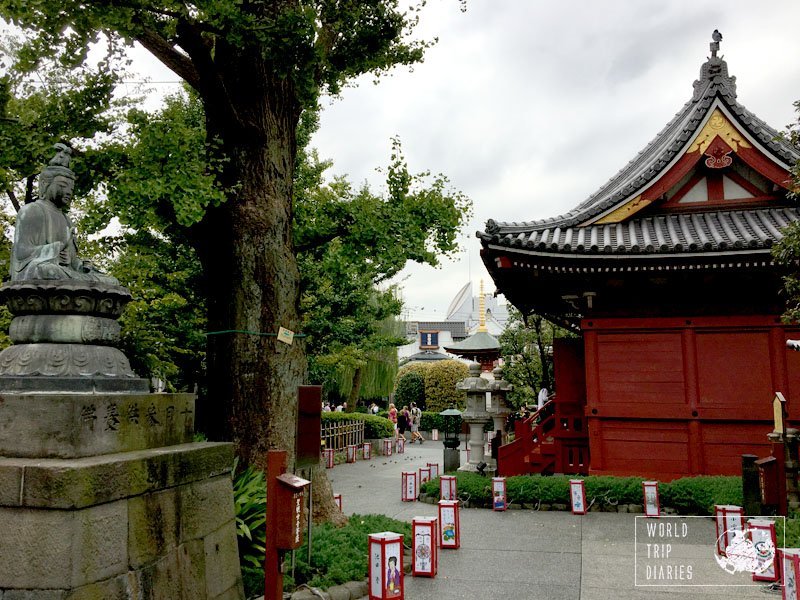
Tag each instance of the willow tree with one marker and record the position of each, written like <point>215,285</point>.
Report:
<point>255,67</point>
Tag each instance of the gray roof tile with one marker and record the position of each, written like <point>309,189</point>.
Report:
<point>669,234</point>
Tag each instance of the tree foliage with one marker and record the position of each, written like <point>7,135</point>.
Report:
<point>440,380</point>
<point>255,67</point>
<point>787,251</point>
<point>410,388</point>
<point>526,346</point>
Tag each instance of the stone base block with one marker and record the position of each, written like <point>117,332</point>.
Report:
<point>452,459</point>
<point>76,425</point>
<point>153,524</point>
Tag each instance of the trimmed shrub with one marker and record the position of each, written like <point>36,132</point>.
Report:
<point>375,427</point>
<point>430,421</point>
<point>690,495</point>
<point>410,388</point>
<point>698,495</point>
<point>440,385</point>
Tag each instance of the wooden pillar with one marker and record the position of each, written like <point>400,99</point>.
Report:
<point>690,386</point>
<point>273,569</point>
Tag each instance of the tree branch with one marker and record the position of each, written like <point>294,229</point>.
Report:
<point>29,188</point>
<point>179,63</point>
<point>326,38</point>
<point>321,239</point>
<point>13,197</point>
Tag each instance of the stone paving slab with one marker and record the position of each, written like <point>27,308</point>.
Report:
<point>532,555</point>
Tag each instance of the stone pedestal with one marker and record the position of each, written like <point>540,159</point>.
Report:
<point>452,459</point>
<point>64,332</point>
<point>123,507</point>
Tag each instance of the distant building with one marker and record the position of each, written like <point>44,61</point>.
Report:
<point>466,307</point>
<point>427,339</point>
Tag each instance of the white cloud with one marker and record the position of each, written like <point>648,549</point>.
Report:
<point>529,107</point>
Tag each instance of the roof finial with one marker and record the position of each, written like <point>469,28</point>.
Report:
<point>482,311</point>
<point>714,45</point>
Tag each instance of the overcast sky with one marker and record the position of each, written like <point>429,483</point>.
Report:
<point>528,106</point>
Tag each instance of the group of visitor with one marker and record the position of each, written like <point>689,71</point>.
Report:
<point>406,420</point>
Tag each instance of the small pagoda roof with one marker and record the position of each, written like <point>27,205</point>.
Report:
<point>426,356</point>
<point>595,226</point>
<point>481,341</point>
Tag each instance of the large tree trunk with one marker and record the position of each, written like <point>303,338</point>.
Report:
<point>355,390</point>
<point>251,270</point>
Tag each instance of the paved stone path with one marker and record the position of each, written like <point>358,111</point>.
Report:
<point>530,555</point>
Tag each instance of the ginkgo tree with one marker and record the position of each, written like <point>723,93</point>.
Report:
<point>255,66</point>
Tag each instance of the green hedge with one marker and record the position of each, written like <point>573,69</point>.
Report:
<point>375,427</point>
<point>690,495</point>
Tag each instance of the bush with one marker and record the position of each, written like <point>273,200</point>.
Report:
<point>690,495</point>
<point>250,507</point>
<point>698,495</point>
<point>791,530</point>
<point>339,554</point>
<point>410,387</point>
<point>375,427</point>
<point>430,421</point>
<point>440,385</point>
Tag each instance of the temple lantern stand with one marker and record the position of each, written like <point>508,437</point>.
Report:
<point>476,388</point>
<point>452,429</point>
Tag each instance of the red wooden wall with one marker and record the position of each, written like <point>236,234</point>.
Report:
<point>671,397</point>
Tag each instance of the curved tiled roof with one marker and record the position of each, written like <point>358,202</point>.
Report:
<point>714,83</point>
<point>675,233</point>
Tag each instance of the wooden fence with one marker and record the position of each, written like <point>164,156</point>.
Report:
<point>340,434</point>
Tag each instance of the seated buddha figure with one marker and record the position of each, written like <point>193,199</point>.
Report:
<point>44,240</point>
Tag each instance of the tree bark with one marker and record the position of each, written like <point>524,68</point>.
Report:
<point>355,391</point>
<point>252,279</point>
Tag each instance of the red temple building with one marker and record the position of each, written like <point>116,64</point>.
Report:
<point>666,275</point>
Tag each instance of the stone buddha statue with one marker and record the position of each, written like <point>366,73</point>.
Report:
<point>44,241</point>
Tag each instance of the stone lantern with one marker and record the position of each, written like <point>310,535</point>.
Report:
<point>476,416</point>
<point>499,409</point>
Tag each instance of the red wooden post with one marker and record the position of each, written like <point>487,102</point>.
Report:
<point>273,573</point>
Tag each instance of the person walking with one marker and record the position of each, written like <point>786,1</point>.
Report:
<point>393,418</point>
<point>402,423</point>
<point>416,418</point>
